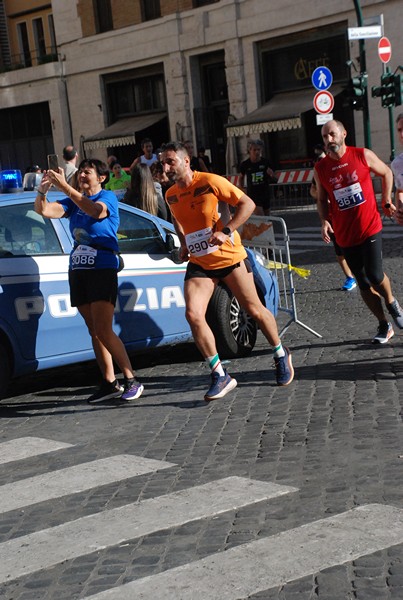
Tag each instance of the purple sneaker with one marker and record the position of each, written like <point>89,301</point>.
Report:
<point>133,390</point>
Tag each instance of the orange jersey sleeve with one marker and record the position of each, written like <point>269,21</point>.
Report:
<point>196,208</point>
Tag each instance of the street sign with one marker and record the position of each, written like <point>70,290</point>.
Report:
<point>323,102</point>
<point>322,78</point>
<point>363,33</point>
<point>384,49</point>
<point>322,119</point>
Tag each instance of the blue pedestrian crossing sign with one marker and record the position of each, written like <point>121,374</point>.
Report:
<point>322,78</point>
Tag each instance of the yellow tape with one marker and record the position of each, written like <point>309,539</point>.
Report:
<point>271,264</point>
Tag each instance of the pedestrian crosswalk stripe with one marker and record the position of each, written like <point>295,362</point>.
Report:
<point>26,447</point>
<point>75,479</point>
<point>48,547</point>
<point>274,561</point>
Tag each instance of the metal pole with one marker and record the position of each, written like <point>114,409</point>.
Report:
<point>391,123</point>
<point>363,69</point>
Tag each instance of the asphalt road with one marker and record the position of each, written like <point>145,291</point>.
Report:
<point>270,493</point>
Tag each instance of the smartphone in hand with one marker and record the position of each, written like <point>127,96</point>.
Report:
<point>53,162</point>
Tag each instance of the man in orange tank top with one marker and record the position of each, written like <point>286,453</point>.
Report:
<point>344,176</point>
<point>210,242</point>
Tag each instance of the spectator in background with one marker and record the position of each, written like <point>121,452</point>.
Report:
<point>148,157</point>
<point>160,178</point>
<point>120,179</point>
<point>196,163</point>
<point>70,157</point>
<point>201,153</point>
<point>111,161</point>
<point>142,192</point>
<point>259,176</point>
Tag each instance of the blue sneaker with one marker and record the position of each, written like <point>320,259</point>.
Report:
<point>284,368</point>
<point>220,385</point>
<point>349,284</point>
<point>133,390</point>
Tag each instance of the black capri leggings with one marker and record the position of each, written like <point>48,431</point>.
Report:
<point>365,261</point>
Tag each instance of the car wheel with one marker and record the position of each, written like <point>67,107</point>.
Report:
<point>235,331</point>
<point>5,369</point>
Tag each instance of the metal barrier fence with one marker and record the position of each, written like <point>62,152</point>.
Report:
<point>291,196</point>
<point>291,192</point>
<point>269,237</point>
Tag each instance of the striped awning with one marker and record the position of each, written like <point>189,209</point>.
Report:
<point>122,132</point>
<point>282,112</point>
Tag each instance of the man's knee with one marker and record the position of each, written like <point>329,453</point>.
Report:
<point>377,278</point>
<point>195,316</point>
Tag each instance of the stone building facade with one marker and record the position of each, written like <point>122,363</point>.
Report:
<point>102,74</point>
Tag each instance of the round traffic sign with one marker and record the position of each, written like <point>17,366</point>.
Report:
<point>323,102</point>
<point>384,49</point>
<point>322,78</point>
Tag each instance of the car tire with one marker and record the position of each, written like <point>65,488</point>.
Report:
<point>235,331</point>
<point>5,370</point>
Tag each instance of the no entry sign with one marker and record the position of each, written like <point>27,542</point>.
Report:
<point>384,49</point>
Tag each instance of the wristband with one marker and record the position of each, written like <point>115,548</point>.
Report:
<point>43,194</point>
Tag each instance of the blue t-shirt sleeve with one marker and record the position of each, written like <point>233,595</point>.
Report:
<point>67,205</point>
<point>110,200</point>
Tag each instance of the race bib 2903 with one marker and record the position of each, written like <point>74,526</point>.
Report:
<point>197,242</point>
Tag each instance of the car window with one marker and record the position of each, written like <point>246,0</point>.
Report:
<point>25,233</point>
<point>138,235</point>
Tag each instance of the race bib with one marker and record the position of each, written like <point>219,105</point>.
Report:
<point>349,197</point>
<point>83,257</point>
<point>197,242</point>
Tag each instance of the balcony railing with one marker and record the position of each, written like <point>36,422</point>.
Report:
<point>29,59</point>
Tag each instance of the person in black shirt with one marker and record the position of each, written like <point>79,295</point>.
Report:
<point>259,175</point>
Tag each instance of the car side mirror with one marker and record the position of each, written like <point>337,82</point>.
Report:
<point>169,242</point>
<point>172,250</point>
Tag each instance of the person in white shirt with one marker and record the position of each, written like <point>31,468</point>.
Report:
<point>70,157</point>
<point>148,157</point>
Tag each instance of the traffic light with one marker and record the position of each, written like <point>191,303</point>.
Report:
<point>391,90</point>
<point>398,83</point>
<point>355,91</point>
<point>388,85</point>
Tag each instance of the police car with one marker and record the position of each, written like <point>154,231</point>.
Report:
<point>39,329</point>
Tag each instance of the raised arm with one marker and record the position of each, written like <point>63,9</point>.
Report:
<point>50,210</point>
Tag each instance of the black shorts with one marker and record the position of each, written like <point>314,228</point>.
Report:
<point>194,270</point>
<point>365,261</point>
<point>92,285</point>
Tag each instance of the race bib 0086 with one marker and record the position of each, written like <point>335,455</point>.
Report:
<point>83,257</point>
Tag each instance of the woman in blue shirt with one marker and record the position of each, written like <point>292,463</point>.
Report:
<point>94,220</point>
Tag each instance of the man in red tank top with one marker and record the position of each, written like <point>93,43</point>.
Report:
<point>344,176</point>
